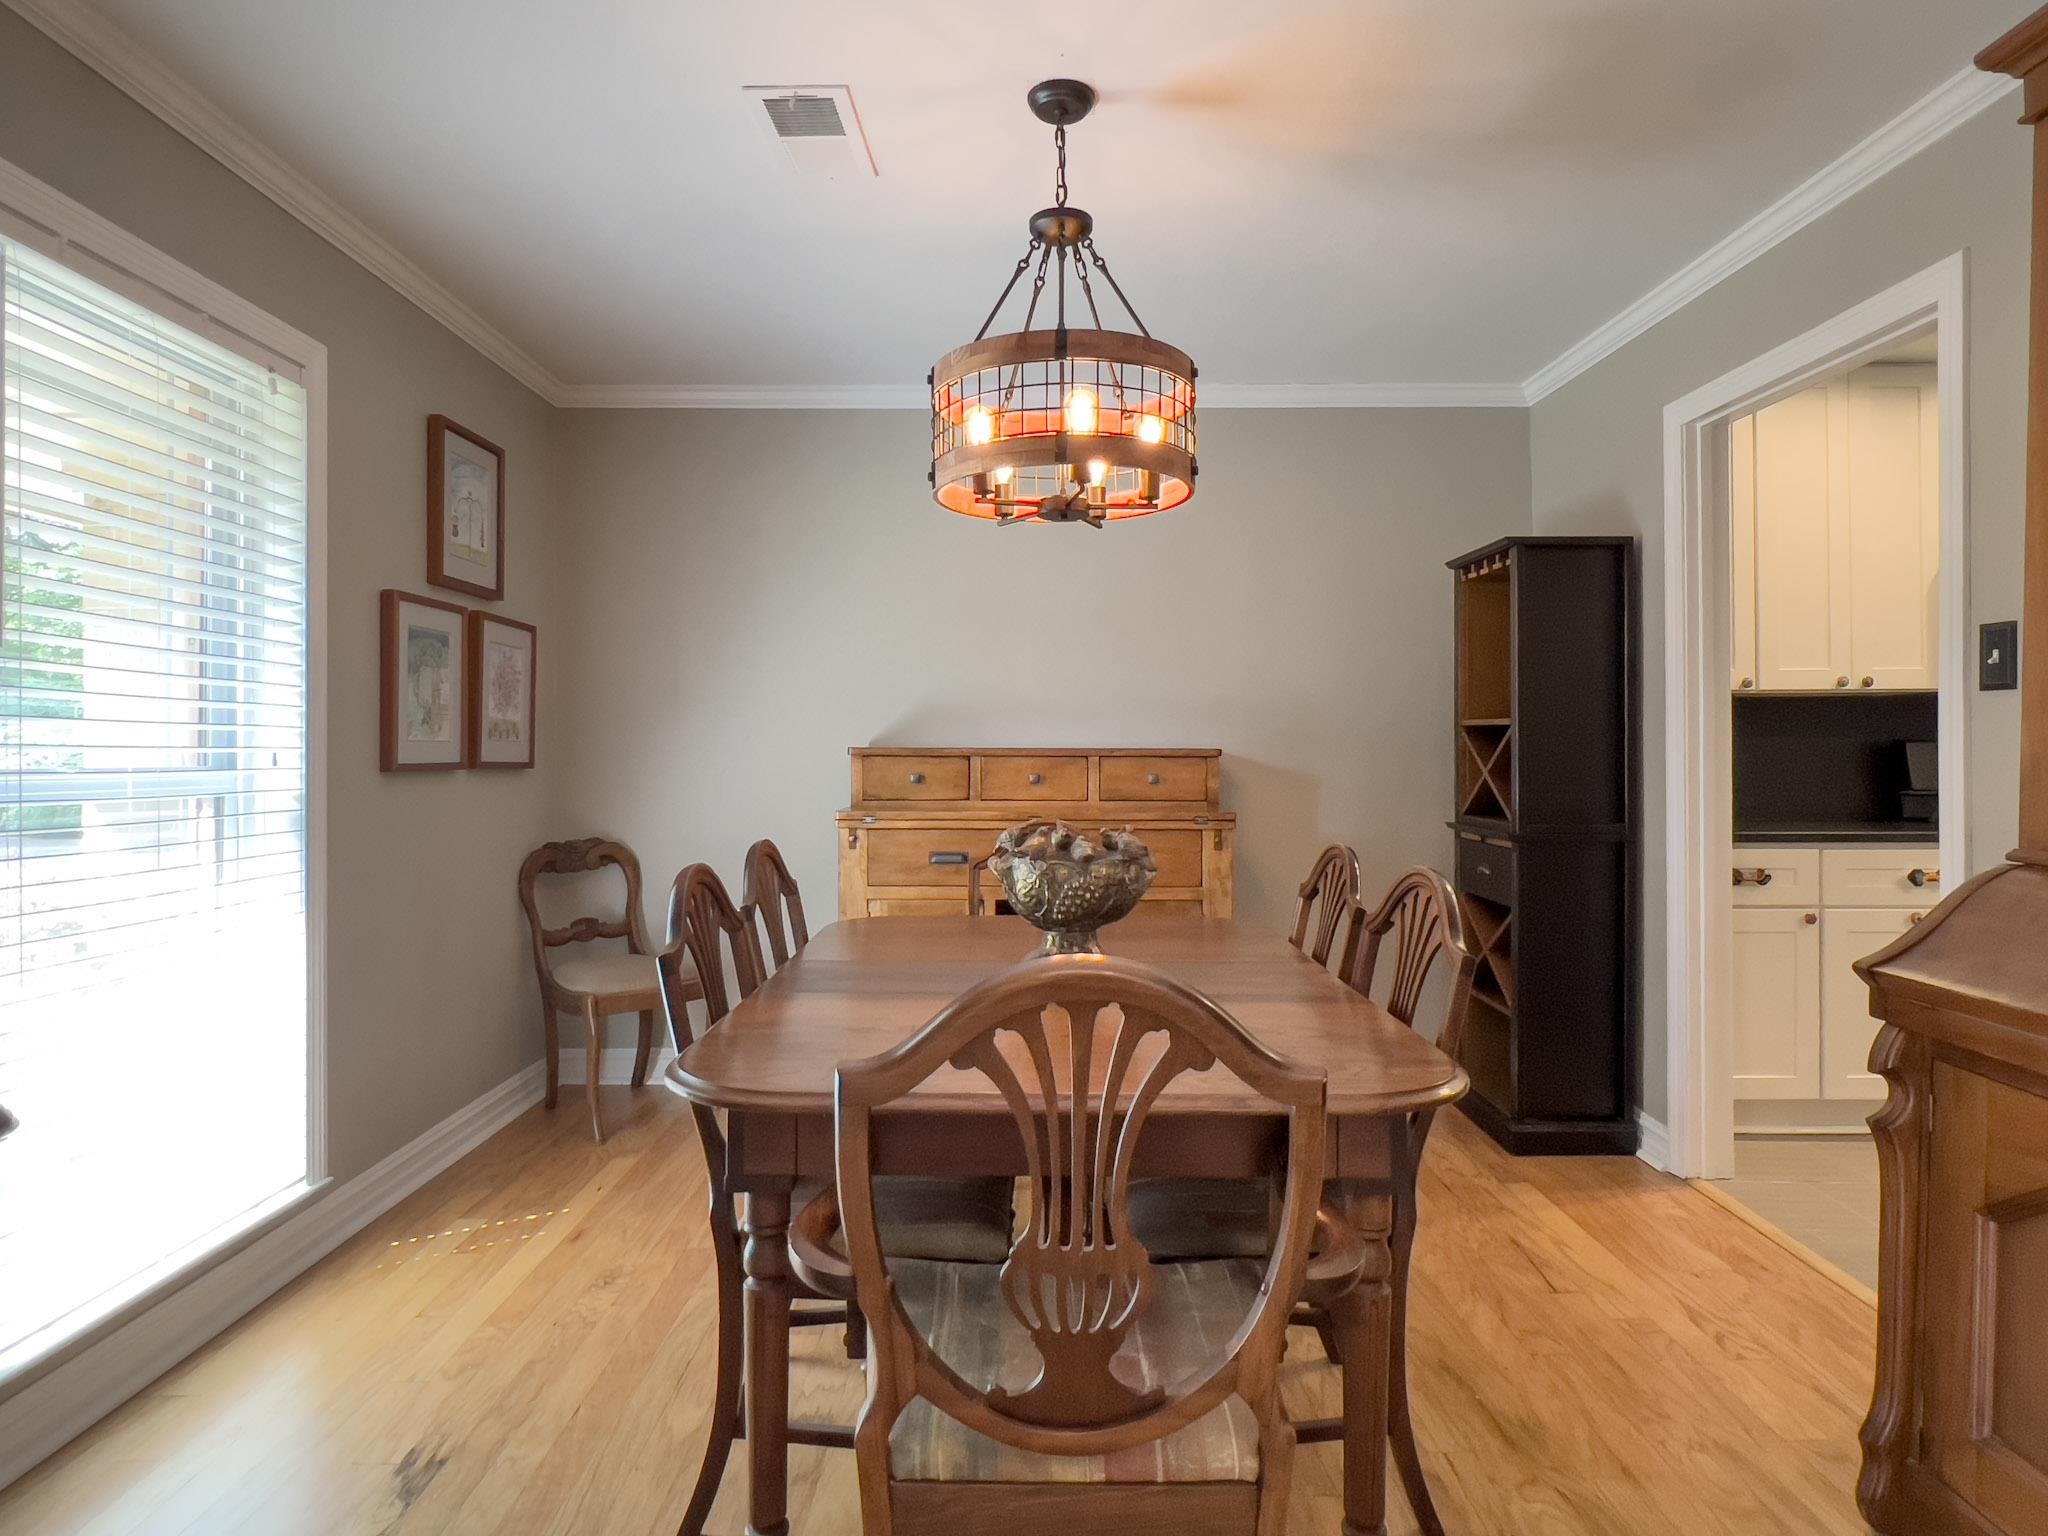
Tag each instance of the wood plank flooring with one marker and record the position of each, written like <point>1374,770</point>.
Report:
<point>524,1348</point>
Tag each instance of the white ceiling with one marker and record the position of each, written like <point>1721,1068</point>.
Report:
<point>1342,192</point>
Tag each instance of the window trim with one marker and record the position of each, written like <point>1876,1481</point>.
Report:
<point>37,215</point>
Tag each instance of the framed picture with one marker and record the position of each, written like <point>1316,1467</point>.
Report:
<point>501,691</point>
<point>422,677</point>
<point>465,510</point>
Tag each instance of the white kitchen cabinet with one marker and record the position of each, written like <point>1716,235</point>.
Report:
<point>1846,1027</point>
<point>1802,919</point>
<point>1777,1003</point>
<point>1835,536</point>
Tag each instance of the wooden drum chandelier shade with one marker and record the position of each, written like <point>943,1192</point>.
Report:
<point>1058,425</point>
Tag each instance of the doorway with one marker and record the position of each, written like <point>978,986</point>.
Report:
<point>1926,313</point>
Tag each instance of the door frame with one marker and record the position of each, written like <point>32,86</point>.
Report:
<point>1698,651</point>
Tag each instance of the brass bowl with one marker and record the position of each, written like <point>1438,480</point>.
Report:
<point>1070,885</point>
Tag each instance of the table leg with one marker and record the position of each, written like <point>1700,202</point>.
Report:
<point>768,1293</point>
<point>1363,1318</point>
<point>1401,1424</point>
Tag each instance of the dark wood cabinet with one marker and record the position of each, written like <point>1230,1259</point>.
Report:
<point>1546,824</point>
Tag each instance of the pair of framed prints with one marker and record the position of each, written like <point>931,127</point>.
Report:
<point>457,685</point>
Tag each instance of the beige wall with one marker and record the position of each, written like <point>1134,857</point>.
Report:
<point>1596,445</point>
<point>755,592</point>
<point>430,992</point>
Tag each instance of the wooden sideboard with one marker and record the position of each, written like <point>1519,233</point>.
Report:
<point>921,815</point>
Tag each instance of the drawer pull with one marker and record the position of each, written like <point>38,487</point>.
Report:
<point>1034,778</point>
<point>1870,682</point>
<point>917,778</point>
<point>1748,682</point>
<point>1918,877</point>
<point>948,858</point>
<point>1484,869</point>
<point>1753,877</point>
<point>1810,919</point>
<point>1151,778</point>
<point>1841,682</point>
<point>1914,918</point>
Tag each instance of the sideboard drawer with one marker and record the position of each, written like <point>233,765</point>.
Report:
<point>1880,877</point>
<point>913,778</point>
<point>1155,778</point>
<point>915,856</point>
<point>1178,853</point>
<point>1486,869</point>
<point>1034,778</point>
<point>1767,875</point>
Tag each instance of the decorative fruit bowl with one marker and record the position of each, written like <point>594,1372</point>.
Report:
<point>1069,885</point>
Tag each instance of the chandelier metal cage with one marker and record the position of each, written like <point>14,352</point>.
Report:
<point>1059,425</point>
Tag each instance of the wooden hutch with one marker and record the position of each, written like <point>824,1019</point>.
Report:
<point>921,815</point>
<point>1957,1437</point>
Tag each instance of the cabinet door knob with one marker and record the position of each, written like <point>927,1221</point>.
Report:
<point>1753,877</point>
<point>917,778</point>
<point>1841,682</point>
<point>1914,917</point>
<point>1034,778</point>
<point>1811,918</point>
<point>1870,682</point>
<point>1151,778</point>
<point>1923,877</point>
<point>1748,682</point>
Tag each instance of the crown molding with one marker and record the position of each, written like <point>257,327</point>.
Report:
<point>113,53</point>
<point>1932,118</point>
<point>914,397</point>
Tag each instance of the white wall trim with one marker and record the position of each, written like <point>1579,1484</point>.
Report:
<point>1933,117</point>
<point>615,1066</point>
<point>1698,814</point>
<point>1653,1141</point>
<point>101,44</point>
<point>43,1416</point>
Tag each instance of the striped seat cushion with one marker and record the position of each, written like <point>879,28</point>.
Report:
<point>1193,1315</point>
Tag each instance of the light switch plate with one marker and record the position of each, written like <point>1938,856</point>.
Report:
<point>1998,655</point>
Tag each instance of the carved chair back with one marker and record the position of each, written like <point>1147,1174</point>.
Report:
<point>1328,893</point>
<point>1080,1048</point>
<point>703,922</point>
<point>583,856</point>
<point>1420,912</point>
<point>770,890</point>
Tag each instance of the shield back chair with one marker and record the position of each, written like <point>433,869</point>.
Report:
<point>1325,899</point>
<point>1064,1391</point>
<point>965,1219</point>
<point>596,985</point>
<point>770,891</point>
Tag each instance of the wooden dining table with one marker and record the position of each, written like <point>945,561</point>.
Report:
<point>863,986</point>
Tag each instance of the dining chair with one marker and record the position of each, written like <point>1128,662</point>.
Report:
<point>976,907</point>
<point>1080,1387</point>
<point>596,985</point>
<point>1325,897</point>
<point>770,891</point>
<point>961,1220</point>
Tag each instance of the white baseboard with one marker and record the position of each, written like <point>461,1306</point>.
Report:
<point>615,1066</point>
<point>1653,1142</point>
<point>45,1415</point>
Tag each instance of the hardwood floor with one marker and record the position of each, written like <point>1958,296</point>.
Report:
<point>524,1347</point>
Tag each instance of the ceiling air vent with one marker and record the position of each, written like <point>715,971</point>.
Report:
<point>817,127</point>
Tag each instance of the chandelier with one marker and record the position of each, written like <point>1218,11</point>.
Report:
<point>1060,425</point>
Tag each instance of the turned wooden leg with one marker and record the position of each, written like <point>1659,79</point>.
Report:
<point>551,1038</point>
<point>593,1029</point>
<point>646,1051</point>
<point>728,1409</point>
<point>1363,1317</point>
<point>767,1293</point>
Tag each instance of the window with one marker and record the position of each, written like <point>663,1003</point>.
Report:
<point>154,795</point>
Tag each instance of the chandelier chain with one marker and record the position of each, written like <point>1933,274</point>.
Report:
<point>1059,182</point>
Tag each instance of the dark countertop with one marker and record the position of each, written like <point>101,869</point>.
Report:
<point>1912,834</point>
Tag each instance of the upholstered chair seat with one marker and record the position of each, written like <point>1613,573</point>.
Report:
<point>959,1310</point>
<point>613,975</point>
<point>1179,1219</point>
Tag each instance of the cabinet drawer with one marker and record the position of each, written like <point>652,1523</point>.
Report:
<point>1880,877</point>
<point>1034,778</point>
<point>1155,778</point>
<point>913,778</point>
<point>1777,877</point>
<point>926,856</point>
<point>1487,870</point>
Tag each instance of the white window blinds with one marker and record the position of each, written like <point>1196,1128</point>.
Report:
<point>153,691</point>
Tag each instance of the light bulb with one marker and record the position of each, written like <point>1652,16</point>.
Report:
<point>1002,474</point>
<point>981,425</point>
<point>1081,412</point>
<point>1098,471</point>
<point>1151,430</point>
